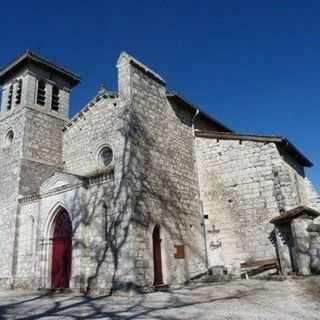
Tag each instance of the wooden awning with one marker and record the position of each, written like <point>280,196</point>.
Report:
<point>289,215</point>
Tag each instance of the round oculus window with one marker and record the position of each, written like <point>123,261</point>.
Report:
<point>106,156</point>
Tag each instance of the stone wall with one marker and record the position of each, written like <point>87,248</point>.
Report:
<point>43,137</point>
<point>89,205</point>
<point>243,185</point>
<point>314,246</point>
<point>42,148</point>
<point>32,153</point>
<point>103,123</point>
<point>162,177</point>
<point>98,125</point>
<point>296,188</point>
<point>302,244</point>
<point>10,154</point>
<point>33,173</point>
<point>26,246</point>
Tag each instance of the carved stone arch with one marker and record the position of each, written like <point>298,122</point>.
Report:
<point>55,247</point>
<point>47,230</point>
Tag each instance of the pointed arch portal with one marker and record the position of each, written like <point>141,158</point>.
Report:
<point>61,250</point>
<point>157,261</point>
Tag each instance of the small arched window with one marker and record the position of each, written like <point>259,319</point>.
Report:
<point>10,97</point>
<point>55,98</point>
<point>41,94</point>
<point>8,139</point>
<point>18,91</point>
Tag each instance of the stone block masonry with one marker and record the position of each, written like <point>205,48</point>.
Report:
<point>162,177</point>
<point>9,188</point>
<point>243,184</point>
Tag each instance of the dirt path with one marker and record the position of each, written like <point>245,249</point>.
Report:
<point>245,300</point>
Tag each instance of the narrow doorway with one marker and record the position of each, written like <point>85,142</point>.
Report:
<point>157,262</point>
<point>61,251</point>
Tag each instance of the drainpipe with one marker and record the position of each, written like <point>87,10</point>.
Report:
<point>198,181</point>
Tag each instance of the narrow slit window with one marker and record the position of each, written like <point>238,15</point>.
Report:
<point>18,92</point>
<point>55,99</point>
<point>10,96</point>
<point>41,96</point>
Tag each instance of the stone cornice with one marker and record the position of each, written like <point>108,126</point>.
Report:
<point>47,112</point>
<point>20,108</point>
<point>87,181</point>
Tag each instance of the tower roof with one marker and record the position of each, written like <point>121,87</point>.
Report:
<point>28,58</point>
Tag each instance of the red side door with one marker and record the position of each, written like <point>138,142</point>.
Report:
<point>61,263</point>
<point>61,251</point>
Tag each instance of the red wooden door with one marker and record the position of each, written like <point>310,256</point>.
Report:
<point>158,280</point>
<point>61,251</point>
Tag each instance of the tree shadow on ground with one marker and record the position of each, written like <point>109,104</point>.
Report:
<point>107,307</point>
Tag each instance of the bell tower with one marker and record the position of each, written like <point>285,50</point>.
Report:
<point>34,111</point>
<point>31,80</point>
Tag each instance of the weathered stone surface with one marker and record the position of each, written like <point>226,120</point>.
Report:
<point>302,244</point>
<point>314,228</point>
<point>314,250</point>
<point>243,185</point>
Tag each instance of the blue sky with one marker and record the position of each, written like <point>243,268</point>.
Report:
<point>252,64</point>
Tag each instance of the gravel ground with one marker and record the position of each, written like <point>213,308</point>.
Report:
<point>244,299</point>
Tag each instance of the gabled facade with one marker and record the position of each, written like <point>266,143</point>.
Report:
<point>140,189</point>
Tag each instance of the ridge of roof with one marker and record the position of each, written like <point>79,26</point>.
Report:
<point>28,56</point>
<point>238,136</point>
<point>125,56</point>
<point>281,141</point>
<point>180,97</point>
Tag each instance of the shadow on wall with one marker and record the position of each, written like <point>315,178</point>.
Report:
<point>144,194</point>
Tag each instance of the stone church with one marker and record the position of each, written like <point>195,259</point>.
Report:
<point>140,189</point>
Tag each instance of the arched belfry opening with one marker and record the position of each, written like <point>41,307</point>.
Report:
<point>61,250</point>
<point>157,259</point>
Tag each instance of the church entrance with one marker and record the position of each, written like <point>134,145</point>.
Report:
<point>61,251</point>
<point>157,263</point>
